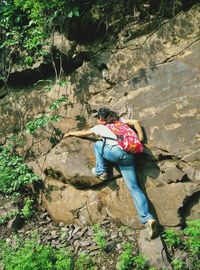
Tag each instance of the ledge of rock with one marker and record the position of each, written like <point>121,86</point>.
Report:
<point>73,195</point>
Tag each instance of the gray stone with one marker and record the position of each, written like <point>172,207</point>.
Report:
<point>173,175</point>
<point>195,155</point>
<point>6,207</point>
<point>192,173</point>
<point>85,244</point>
<point>15,223</point>
<point>61,224</point>
<point>82,232</point>
<point>70,235</point>
<point>114,235</point>
<point>129,232</point>
<point>64,229</point>
<point>153,250</point>
<point>120,234</point>
<point>90,232</point>
<point>93,253</point>
<point>93,248</point>
<point>131,238</point>
<point>119,246</point>
<point>105,222</point>
<point>77,247</point>
<point>76,230</point>
<point>54,234</point>
<point>64,45</point>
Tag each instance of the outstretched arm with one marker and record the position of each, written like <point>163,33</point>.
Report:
<point>136,125</point>
<point>79,133</point>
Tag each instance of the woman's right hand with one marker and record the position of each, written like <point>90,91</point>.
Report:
<point>67,135</point>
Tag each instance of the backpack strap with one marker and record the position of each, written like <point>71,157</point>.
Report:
<point>104,143</point>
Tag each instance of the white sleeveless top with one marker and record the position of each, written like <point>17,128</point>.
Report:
<point>105,132</point>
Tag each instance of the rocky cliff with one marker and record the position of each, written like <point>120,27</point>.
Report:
<point>150,73</point>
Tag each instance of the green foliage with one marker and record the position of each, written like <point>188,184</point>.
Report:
<point>178,264</point>
<point>31,256</point>
<point>34,256</point>
<point>42,81</point>
<point>84,262</point>
<point>63,82</point>
<point>23,39</point>
<point>16,141</point>
<point>48,85</point>
<point>44,120</point>
<point>99,236</point>
<point>25,28</point>
<point>26,25</point>
<point>188,241</point>
<point>14,174</point>
<point>27,210</point>
<point>140,262</point>
<point>125,260</point>
<point>192,233</point>
<point>40,122</point>
<point>73,13</point>
<point>63,260</point>
<point>57,103</point>
<point>172,238</point>
<point>8,216</point>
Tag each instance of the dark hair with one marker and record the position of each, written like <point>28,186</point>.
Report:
<point>107,115</point>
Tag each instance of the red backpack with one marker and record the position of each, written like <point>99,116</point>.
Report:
<point>127,139</point>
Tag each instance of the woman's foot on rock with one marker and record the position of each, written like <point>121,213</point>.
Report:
<point>102,176</point>
<point>151,228</point>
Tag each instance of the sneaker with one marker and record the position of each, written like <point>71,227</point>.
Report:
<point>103,176</point>
<point>151,227</point>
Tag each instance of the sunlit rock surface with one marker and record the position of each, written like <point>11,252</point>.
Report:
<point>152,77</point>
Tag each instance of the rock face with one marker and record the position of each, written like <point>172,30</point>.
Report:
<point>153,78</point>
<point>153,250</point>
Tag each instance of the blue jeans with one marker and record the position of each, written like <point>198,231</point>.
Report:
<point>125,161</point>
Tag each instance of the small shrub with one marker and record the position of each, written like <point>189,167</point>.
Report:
<point>178,264</point>
<point>125,260</point>
<point>172,238</point>
<point>99,236</point>
<point>188,241</point>
<point>27,210</point>
<point>33,256</point>
<point>64,260</point>
<point>128,261</point>
<point>14,174</point>
<point>56,104</point>
<point>140,262</point>
<point>8,216</point>
<point>84,262</point>
<point>192,233</point>
<point>40,122</point>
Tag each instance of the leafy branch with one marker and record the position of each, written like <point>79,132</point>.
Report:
<point>40,122</point>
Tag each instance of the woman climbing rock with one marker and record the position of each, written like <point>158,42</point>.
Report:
<point>118,146</point>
